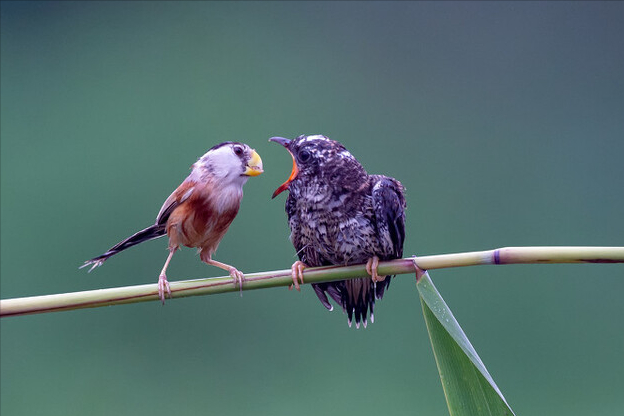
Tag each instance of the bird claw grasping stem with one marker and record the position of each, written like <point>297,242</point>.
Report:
<point>297,274</point>
<point>371,268</point>
<point>163,286</point>
<point>238,277</point>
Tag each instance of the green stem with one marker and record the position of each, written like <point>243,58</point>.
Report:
<point>142,293</point>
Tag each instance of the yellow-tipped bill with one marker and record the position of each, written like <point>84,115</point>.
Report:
<point>254,166</point>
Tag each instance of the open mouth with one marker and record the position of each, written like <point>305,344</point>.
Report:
<point>295,170</point>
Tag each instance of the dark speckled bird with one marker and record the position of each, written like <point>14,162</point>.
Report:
<point>340,215</point>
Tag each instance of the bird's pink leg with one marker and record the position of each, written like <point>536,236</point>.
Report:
<point>163,284</point>
<point>297,274</point>
<point>371,268</point>
<point>235,274</point>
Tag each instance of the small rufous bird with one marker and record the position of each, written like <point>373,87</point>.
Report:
<point>199,212</point>
<point>340,215</point>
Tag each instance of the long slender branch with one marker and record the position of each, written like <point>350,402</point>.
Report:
<point>149,292</point>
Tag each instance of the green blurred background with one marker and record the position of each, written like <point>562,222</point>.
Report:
<point>503,120</point>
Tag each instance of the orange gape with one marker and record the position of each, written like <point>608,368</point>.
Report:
<point>199,212</point>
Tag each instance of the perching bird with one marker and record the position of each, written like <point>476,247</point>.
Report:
<point>199,212</point>
<point>340,215</point>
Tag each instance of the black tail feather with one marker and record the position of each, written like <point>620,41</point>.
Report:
<point>358,307</point>
<point>150,233</point>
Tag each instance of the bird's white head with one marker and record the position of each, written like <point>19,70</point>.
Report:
<point>228,163</point>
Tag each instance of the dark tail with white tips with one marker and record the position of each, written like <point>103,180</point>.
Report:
<point>150,233</point>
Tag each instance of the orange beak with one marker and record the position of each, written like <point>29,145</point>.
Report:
<point>295,170</point>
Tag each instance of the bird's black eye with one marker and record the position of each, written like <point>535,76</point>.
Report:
<point>304,156</point>
<point>238,151</point>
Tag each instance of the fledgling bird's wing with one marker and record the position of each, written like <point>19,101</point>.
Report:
<point>357,297</point>
<point>389,206</point>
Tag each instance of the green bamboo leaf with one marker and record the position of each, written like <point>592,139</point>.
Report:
<point>468,386</point>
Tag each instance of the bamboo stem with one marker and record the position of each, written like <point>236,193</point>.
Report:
<point>148,292</point>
